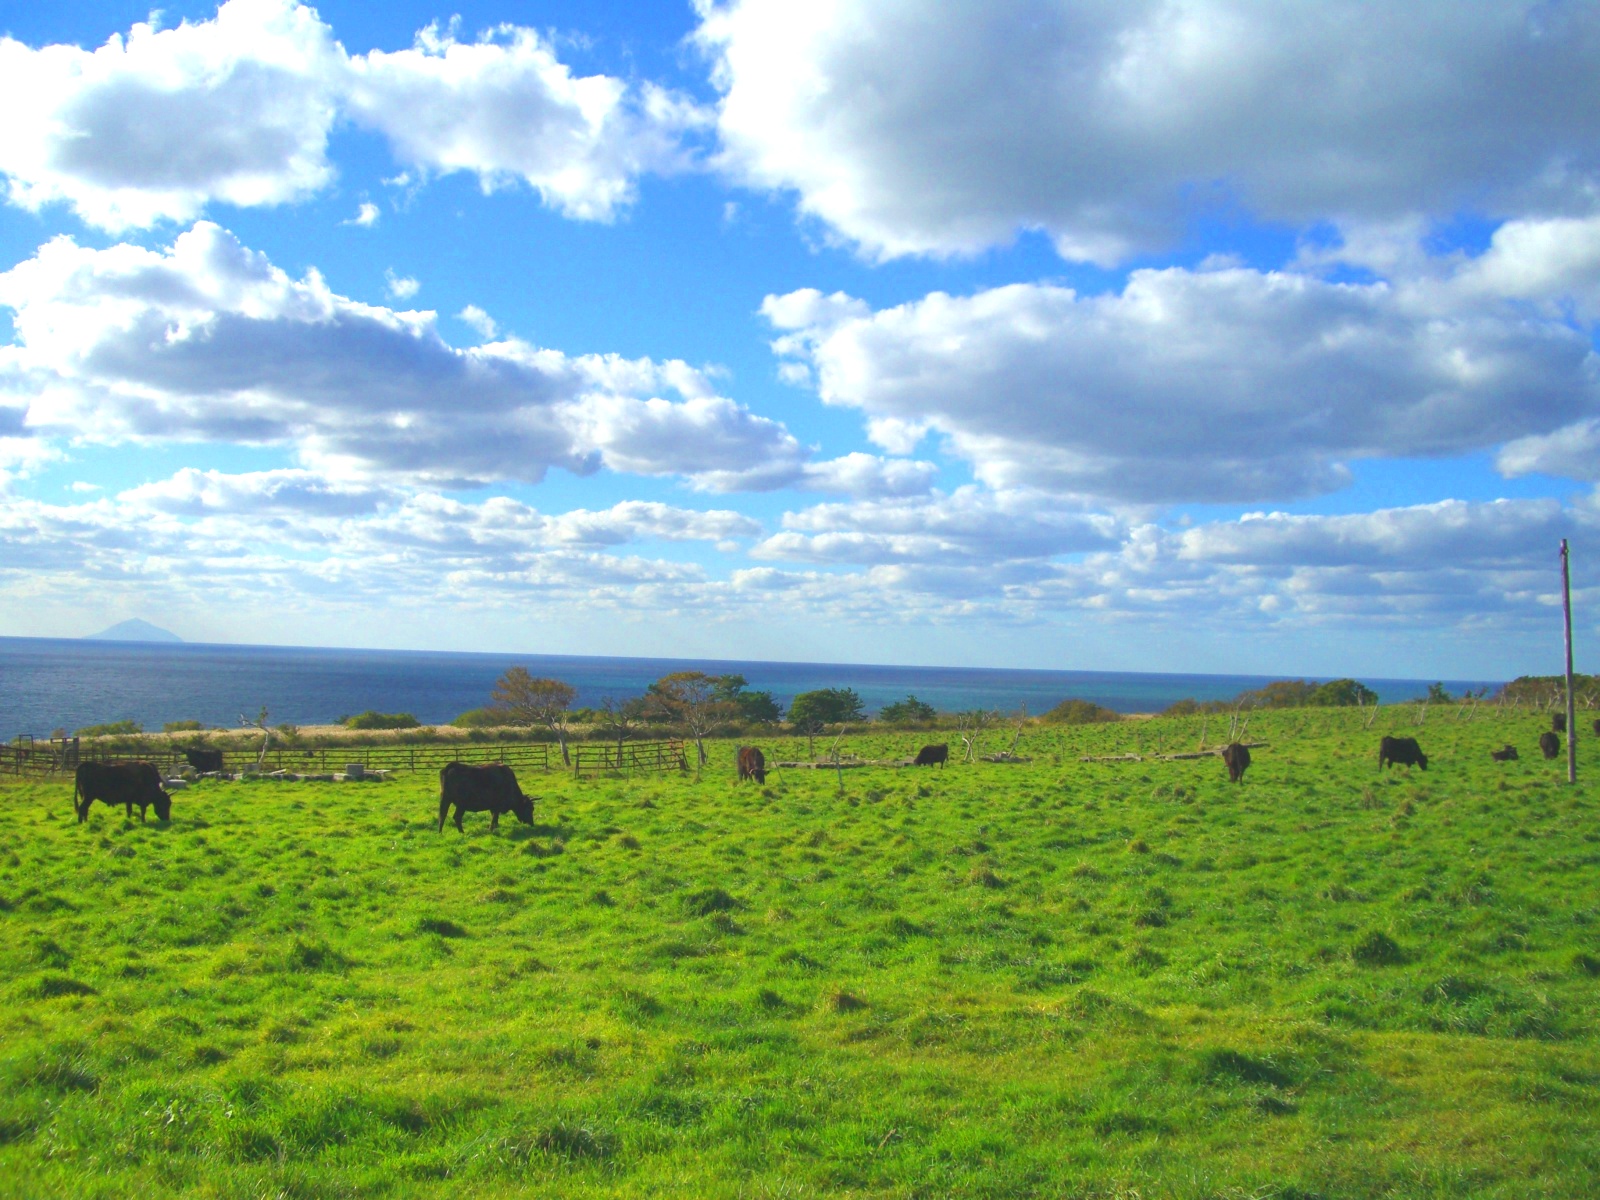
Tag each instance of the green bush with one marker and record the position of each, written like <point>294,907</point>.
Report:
<point>909,711</point>
<point>112,729</point>
<point>480,718</point>
<point>378,720</point>
<point>181,726</point>
<point>1079,712</point>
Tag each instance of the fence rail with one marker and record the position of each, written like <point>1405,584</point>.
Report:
<point>26,756</point>
<point>640,756</point>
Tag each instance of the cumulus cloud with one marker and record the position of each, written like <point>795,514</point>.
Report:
<point>208,340</point>
<point>480,321</point>
<point>160,123</point>
<point>193,492</point>
<point>1215,385</point>
<point>971,525</point>
<point>910,130</point>
<point>366,216</point>
<point>400,287</point>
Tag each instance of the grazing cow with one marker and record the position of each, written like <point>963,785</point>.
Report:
<point>1403,752</point>
<point>1507,753</point>
<point>752,764</point>
<point>492,789</point>
<point>1550,744</point>
<point>126,784</point>
<point>929,755</point>
<point>1237,756</point>
<point>1558,722</point>
<point>204,760</point>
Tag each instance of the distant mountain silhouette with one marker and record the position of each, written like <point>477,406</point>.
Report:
<point>134,631</point>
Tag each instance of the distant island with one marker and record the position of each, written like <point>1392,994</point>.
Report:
<point>134,630</point>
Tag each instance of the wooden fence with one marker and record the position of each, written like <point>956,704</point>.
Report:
<point>642,756</point>
<point>25,756</point>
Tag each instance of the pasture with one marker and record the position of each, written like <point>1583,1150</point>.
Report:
<point>996,980</point>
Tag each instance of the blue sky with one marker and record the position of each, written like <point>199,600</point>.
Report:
<point>1205,336</point>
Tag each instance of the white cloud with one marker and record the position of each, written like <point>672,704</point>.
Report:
<point>1219,385</point>
<point>506,109</point>
<point>159,123</point>
<point>480,321</point>
<point>207,340</point>
<point>400,287</point>
<point>238,109</point>
<point>916,130</point>
<point>366,216</point>
<point>971,525</point>
<point>193,492</point>
<point>1572,452</point>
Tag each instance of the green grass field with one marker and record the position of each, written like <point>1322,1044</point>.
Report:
<point>1052,979</point>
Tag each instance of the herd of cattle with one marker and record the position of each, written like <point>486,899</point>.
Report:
<point>494,789</point>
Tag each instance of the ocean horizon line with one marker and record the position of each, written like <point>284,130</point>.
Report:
<point>72,683</point>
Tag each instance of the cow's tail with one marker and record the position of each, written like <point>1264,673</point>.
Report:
<point>78,806</point>
<point>444,807</point>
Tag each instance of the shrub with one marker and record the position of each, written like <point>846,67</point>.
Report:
<point>378,720</point>
<point>1079,712</point>
<point>181,726</point>
<point>909,711</point>
<point>826,706</point>
<point>111,729</point>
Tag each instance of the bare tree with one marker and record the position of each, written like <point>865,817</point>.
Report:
<point>266,730</point>
<point>690,699</point>
<point>523,700</point>
<point>970,725</point>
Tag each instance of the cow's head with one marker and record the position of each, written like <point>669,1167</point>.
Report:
<point>1422,760</point>
<point>522,806</point>
<point>162,803</point>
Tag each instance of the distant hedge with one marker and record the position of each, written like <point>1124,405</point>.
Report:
<point>1079,712</point>
<point>113,729</point>
<point>378,720</point>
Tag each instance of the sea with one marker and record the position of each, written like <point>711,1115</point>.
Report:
<point>60,683</point>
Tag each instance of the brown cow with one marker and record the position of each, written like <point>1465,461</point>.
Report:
<point>1402,752</point>
<point>1237,756</point>
<point>1550,744</point>
<point>752,764</point>
<point>1507,753</point>
<point>126,784</point>
<point>492,789</point>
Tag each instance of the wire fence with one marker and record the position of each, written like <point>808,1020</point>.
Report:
<point>29,756</point>
<point>640,756</point>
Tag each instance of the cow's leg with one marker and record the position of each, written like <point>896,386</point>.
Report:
<point>459,827</point>
<point>494,819</point>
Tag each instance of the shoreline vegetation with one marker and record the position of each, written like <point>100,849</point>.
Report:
<point>733,712</point>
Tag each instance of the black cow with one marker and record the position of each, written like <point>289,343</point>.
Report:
<point>929,755</point>
<point>1507,753</point>
<point>1558,722</point>
<point>1237,756</point>
<point>1403,752</point>
<point>752,764</point>
<point>1550,744</point>
<point>126,784</point>
<point>1597,729</point>
<point>492,789</point>
<point>204,760</point>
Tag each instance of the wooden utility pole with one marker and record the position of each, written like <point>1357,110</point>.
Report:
<point>1566,614</point>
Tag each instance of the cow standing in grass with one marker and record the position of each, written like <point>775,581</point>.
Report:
<point>126,784</point>
<point>1402,752</point>
<point>204,760</point>
<point>492,789</point>
<point>752,764</point>
<point>929,755</point>
<point>1550,744</point>
<point>1237,756</point>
